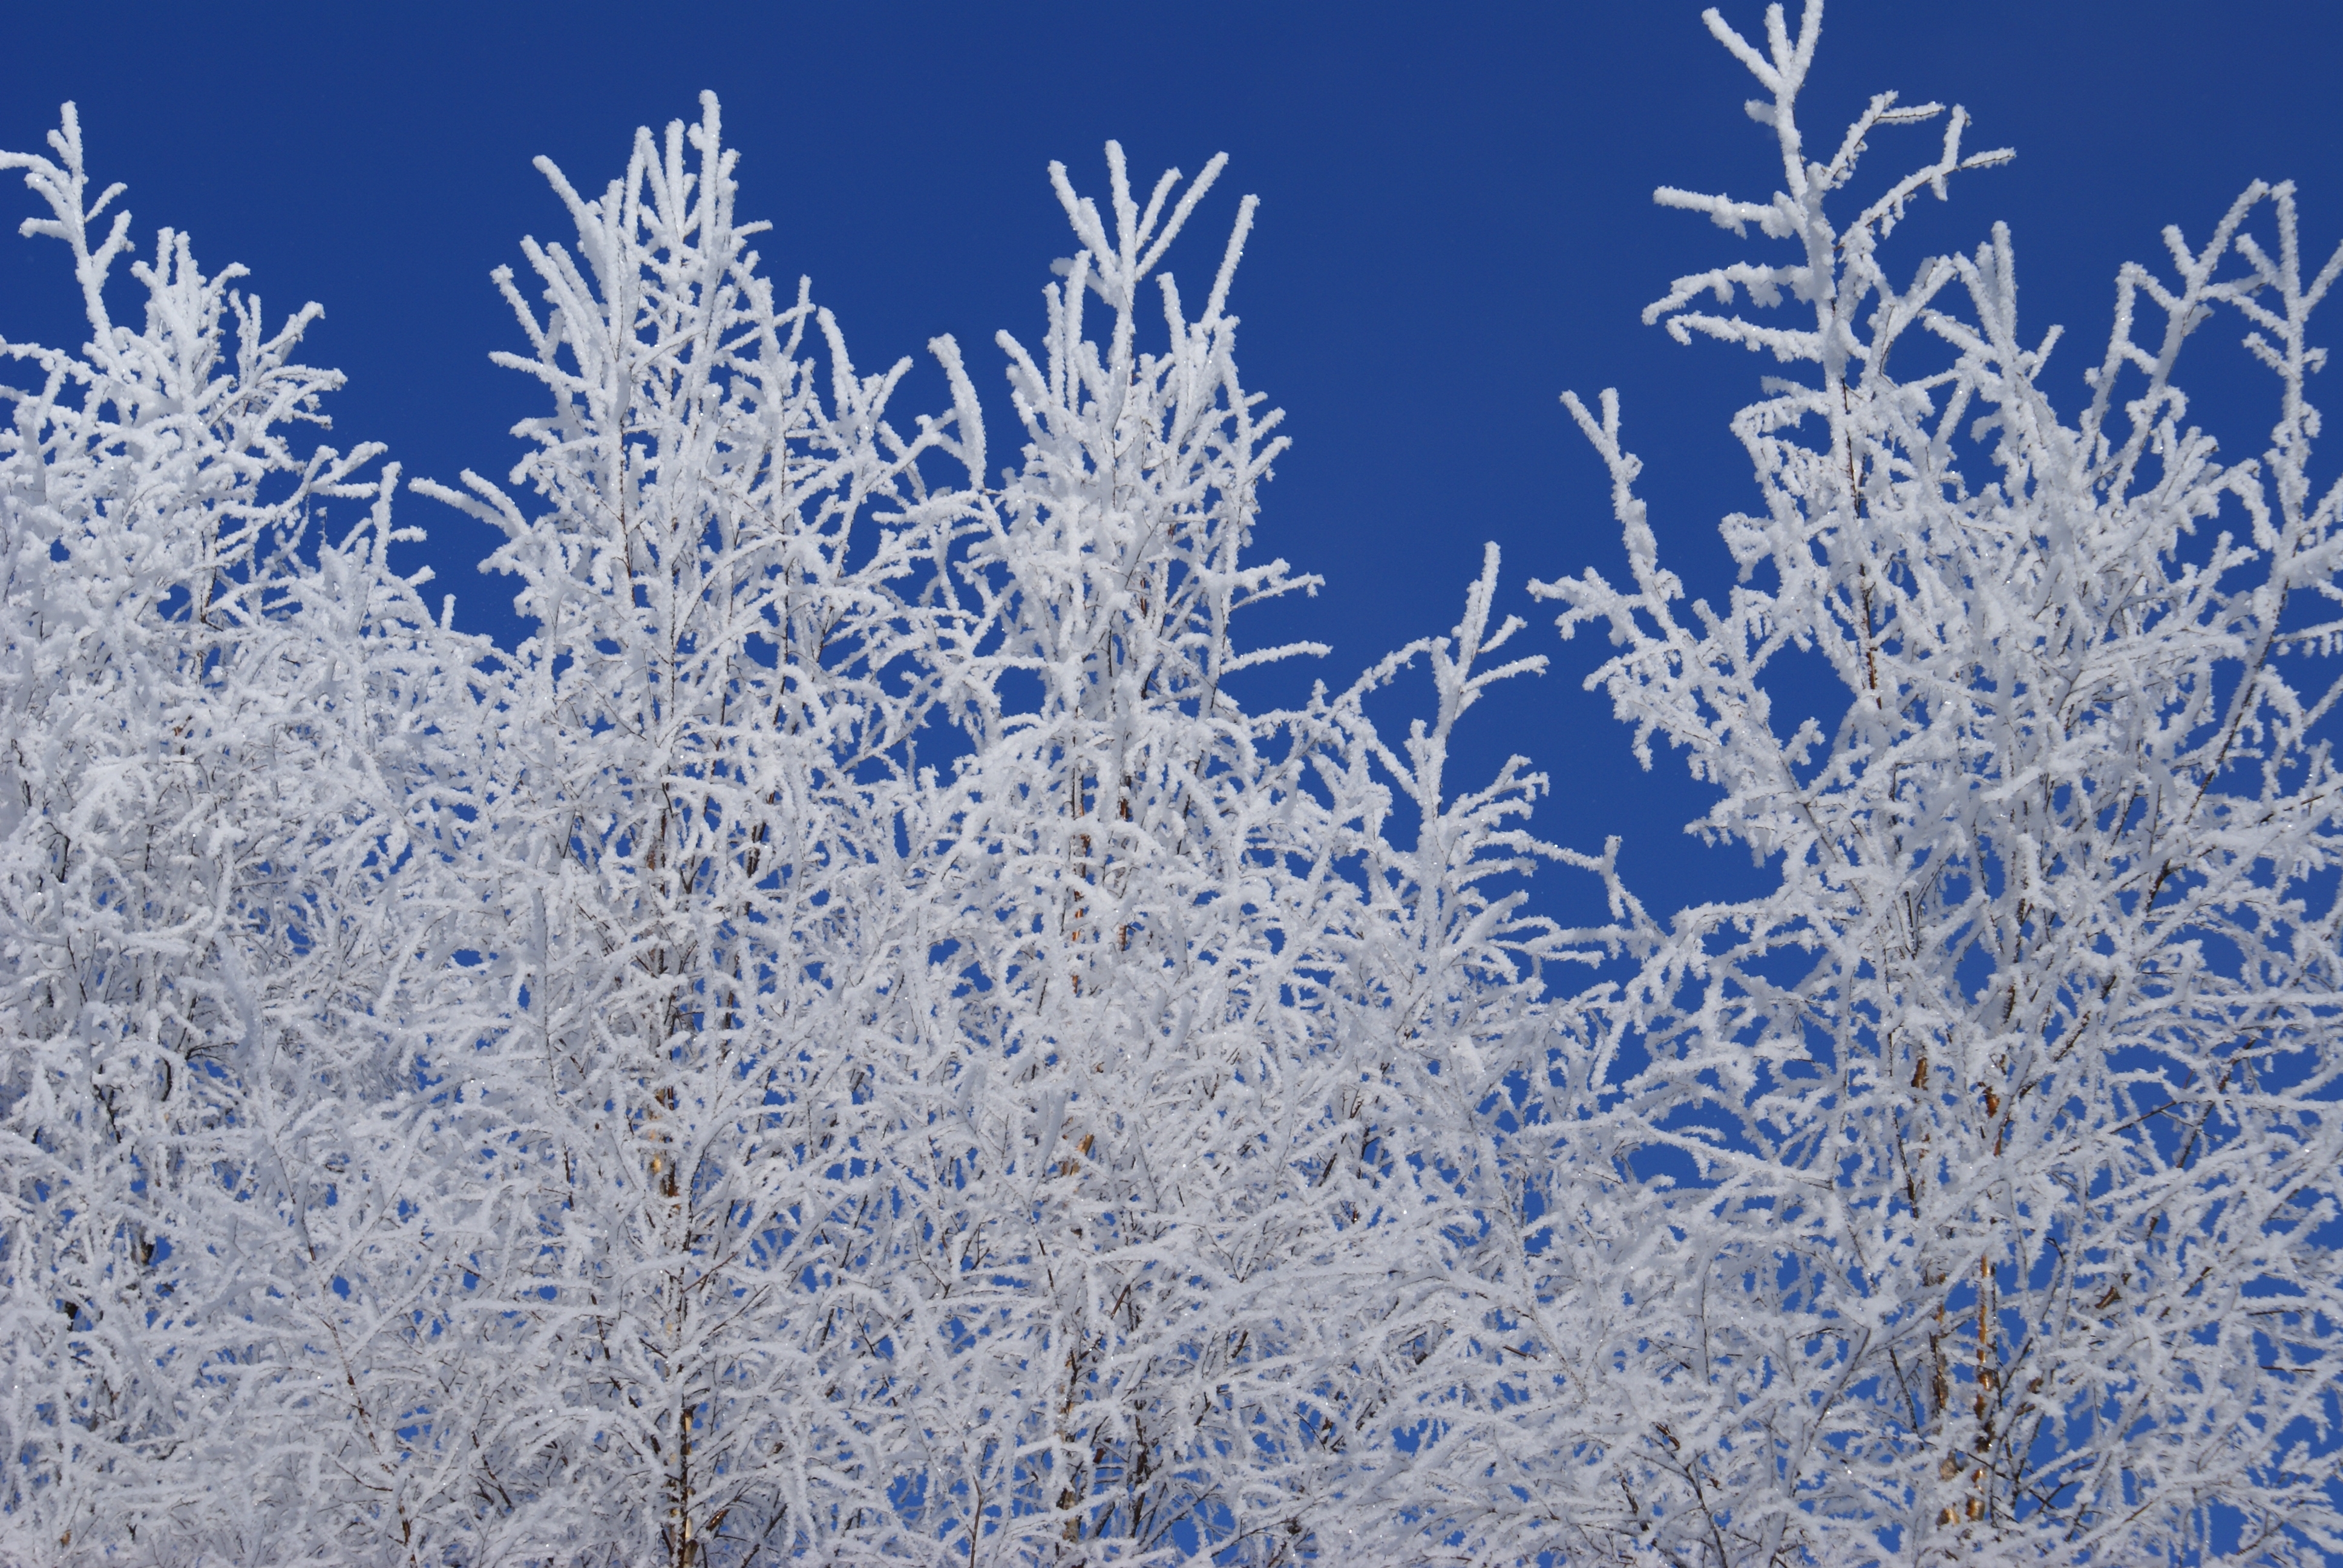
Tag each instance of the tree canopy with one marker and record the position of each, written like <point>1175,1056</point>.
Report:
<point>852,1044</point>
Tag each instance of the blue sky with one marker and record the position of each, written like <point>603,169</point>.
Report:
<point>1455,225</point>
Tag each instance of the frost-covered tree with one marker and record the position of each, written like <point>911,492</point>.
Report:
<point>2013,1105</point>
<point>889,1160</point>
<point>217,711</point>
<point>695,898</point>
<point>1210,1180</point>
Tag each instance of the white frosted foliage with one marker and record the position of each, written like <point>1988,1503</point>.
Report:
<point>2014,1104</point>
<point>853,1043</point>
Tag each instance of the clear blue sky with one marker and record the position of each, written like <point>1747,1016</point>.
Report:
<point>1455,225</point>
